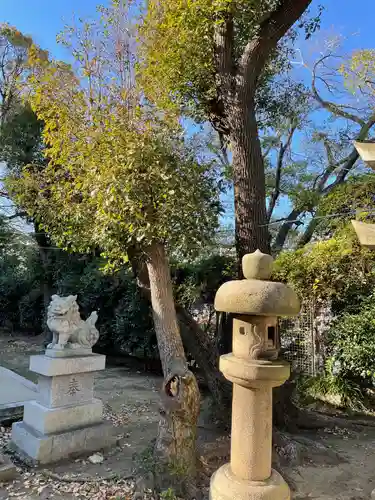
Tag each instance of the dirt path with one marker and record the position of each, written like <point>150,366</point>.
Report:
<point>353,478</point>
<point>131,403</point>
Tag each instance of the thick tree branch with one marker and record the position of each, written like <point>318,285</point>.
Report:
<point>224,61</point>
<point>271,30</point>
<point>17,214</point>
<point>308,233</point>
<point>352,158</point>
<point>321,180</point>
<point>223,41</point>
<point>340,179</point>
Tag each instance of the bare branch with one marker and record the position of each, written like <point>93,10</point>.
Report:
<point>330,106</point>
<point>280,160</point>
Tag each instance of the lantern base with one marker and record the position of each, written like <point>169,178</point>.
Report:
<point>226,486</point>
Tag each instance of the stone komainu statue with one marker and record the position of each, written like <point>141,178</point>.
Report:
<point>67,327</point>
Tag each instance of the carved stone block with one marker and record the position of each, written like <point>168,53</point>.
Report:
<point>65,419</point>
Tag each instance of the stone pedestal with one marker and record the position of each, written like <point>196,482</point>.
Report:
<point>65,419</point>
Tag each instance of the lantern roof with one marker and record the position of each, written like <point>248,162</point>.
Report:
<point>256,295</point>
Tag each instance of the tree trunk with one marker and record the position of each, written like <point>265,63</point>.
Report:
<point>207,357</point>
<point>248,179</point>
<point>175,448</point>
<point>195,341</point>
<point>284,231</point>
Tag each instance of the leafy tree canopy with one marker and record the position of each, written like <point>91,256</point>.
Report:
<point>350,200</point>
<point>119,173</point>
<point>177,51</point>
<point>359,72</point>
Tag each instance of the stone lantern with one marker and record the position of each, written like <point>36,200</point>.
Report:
<point>254,369</point>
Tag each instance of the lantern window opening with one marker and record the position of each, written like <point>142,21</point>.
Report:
<point>271,336</point>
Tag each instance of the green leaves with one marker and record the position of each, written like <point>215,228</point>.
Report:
<point>337,269</point>
<point>352,341</point>
<point>119,171</point>
<point>177,49</point>
<point>359,72</point>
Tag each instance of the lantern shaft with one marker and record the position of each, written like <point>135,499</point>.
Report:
<point>251,443</point>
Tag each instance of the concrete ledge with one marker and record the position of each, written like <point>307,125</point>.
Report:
<point>50,367</point>
<point>54,447</point>
<point>18,378</point>
<point>15,391</point>
<point>53,420</point>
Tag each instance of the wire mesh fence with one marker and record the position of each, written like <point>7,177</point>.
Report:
<point>298,341</point>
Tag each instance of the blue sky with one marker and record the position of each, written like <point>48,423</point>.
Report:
<point>43,19</point>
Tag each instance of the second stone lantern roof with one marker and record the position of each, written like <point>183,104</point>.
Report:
<point>256,295</point>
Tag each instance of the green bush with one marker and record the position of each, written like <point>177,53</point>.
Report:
<point>200,280</point>
<point>125,319</point>
<point>335,389</point>
<point>20,288</point>
<point>352,345</point>
<point>337,270</point>
<point>350,366</point>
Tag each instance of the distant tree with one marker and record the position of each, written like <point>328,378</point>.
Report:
<point>20,130</point>
<point>14,48</point>
<point>310,154</point>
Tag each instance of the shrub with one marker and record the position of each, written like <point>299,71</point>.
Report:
<point>338,270</point>
<point>352,345</point>
<point>199,281</point>
<point>125,319</point>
